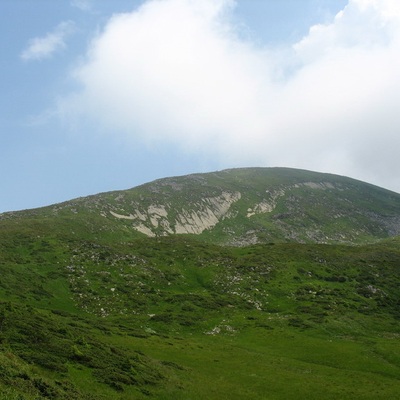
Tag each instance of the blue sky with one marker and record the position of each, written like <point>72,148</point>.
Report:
<point>105,95</point>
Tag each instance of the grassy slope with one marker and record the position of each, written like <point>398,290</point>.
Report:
<point>174,318</point>
<point>307,207</point>
<point>90,309</point>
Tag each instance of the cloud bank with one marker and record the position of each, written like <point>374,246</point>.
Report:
<point>44,47</point>
<point>179,72</point>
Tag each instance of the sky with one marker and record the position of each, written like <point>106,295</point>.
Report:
<point>101,95</point>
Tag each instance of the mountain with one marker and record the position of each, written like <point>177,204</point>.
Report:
<point>238,207</point>
<point>258,283</point>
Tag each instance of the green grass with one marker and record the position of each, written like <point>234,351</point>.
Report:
<point>175,318</point>
<point>90,309</point>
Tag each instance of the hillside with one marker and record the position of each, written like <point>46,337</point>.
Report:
<point>124,295</point>
<point>234,207</point>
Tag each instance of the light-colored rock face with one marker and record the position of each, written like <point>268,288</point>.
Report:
<point>319,185</point>
<point>261,208</point>
<point>196,221</point>
<point>204,214</point>
<point>201,216</point>
<point>157,210</point>
<point>267,205</point>
<point>120,216</point>
<point>144,229</point>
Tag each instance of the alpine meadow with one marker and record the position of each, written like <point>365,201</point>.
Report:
<point>200,200</point>
<point>255,283</point>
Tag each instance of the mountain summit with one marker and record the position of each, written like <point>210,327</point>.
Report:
<point>239,207</point>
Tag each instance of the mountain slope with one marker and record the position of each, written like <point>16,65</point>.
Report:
<point>130,294</point>
<point>158,317</point>
<point>237,207</point>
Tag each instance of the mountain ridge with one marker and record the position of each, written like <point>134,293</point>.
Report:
<point>242,206</point>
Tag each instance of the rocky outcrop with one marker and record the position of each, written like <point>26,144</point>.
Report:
<point>161,220</point>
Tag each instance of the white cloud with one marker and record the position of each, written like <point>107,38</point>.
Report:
<point>176,71</point>
<point>44,47</point>
<point>84,5</point>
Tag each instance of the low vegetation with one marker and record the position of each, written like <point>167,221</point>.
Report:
<point>90,313</point>
<point>160,317</point>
